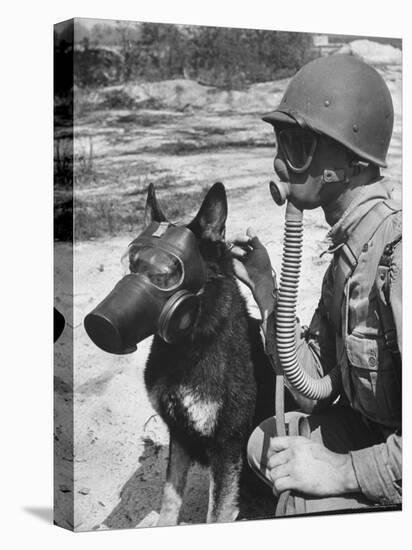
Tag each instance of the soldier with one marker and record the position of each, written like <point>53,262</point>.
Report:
<point>333,128</point>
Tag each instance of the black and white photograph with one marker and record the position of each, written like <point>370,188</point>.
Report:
<point>228,274</point>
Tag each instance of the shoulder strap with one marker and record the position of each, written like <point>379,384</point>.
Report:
<point>382,282</point>
<point>346,258</point>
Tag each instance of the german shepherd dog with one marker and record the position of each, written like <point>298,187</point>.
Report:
<point>205,386</point>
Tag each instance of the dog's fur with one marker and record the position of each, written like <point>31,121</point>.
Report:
<point>205,386</point>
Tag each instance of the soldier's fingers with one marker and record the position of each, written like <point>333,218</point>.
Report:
<point>281,443</point>
<point>283,484</point>
<point>238,252</point>
<point>254,240</point>
<point>280,471</point>
<point>241,240</point>
<point>278,458</point>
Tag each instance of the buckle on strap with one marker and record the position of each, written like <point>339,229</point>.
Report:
<point>161,230</point>
<point>350,257</point>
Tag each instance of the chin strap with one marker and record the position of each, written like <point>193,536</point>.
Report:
<point>343,175</point>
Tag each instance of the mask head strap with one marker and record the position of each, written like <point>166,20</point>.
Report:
<point>336,175</point>
<point>161,230</point>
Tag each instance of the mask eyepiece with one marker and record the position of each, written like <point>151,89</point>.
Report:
<point>162,268</point>
<point>298,146</point>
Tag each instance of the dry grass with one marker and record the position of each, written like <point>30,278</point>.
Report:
<point>84,166</point>
<point>114,216</point>
<point>63,162</point>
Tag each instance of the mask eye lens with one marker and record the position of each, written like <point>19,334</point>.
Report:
<point>298,145</point>
<point>164,270</point>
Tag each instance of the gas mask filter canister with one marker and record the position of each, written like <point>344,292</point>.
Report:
<point>159,294</point>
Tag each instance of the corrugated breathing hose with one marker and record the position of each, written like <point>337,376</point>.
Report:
<point>286,314</point>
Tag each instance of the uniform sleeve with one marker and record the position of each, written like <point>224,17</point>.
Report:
<point>379,468</point>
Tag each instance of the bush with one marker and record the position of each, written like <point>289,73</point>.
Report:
<point>117,99</point>
<point>97,66</point>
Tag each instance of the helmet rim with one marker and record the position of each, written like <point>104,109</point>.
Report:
<point>279,116</point>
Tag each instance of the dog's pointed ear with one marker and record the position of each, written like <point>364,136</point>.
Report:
<point>153,211</point>
<point>211,219</point>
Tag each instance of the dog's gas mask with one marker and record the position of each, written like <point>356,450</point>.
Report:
<point>159,294</point>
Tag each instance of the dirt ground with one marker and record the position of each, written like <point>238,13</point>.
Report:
<point>120,445</point>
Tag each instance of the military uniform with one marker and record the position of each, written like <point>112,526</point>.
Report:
<point>357,326</point>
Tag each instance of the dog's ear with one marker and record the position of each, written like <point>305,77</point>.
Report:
<point>153,211</point>
<point>211,219</point>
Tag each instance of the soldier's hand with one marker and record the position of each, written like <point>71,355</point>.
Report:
<point>299,464</point>
<point>252,264</point>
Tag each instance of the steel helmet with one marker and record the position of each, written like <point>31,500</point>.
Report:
<point>343,98</point>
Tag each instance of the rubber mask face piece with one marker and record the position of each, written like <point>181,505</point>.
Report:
<point>164,274</point>
<point>298,146</point>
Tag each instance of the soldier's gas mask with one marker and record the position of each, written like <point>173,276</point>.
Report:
<point>296,148</point>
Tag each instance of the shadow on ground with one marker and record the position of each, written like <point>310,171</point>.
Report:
<point>141,494</point>
<point>143,490</point>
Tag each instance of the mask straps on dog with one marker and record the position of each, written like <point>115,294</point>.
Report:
<point>161,230</point>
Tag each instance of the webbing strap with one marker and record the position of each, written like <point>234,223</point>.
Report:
<point>385,311</point>
<point>268,329</point>
<point>382,282</point>
<point>346,258</point>
<point>290,502</point>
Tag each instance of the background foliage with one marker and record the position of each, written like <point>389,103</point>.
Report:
<point>232,58</point>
